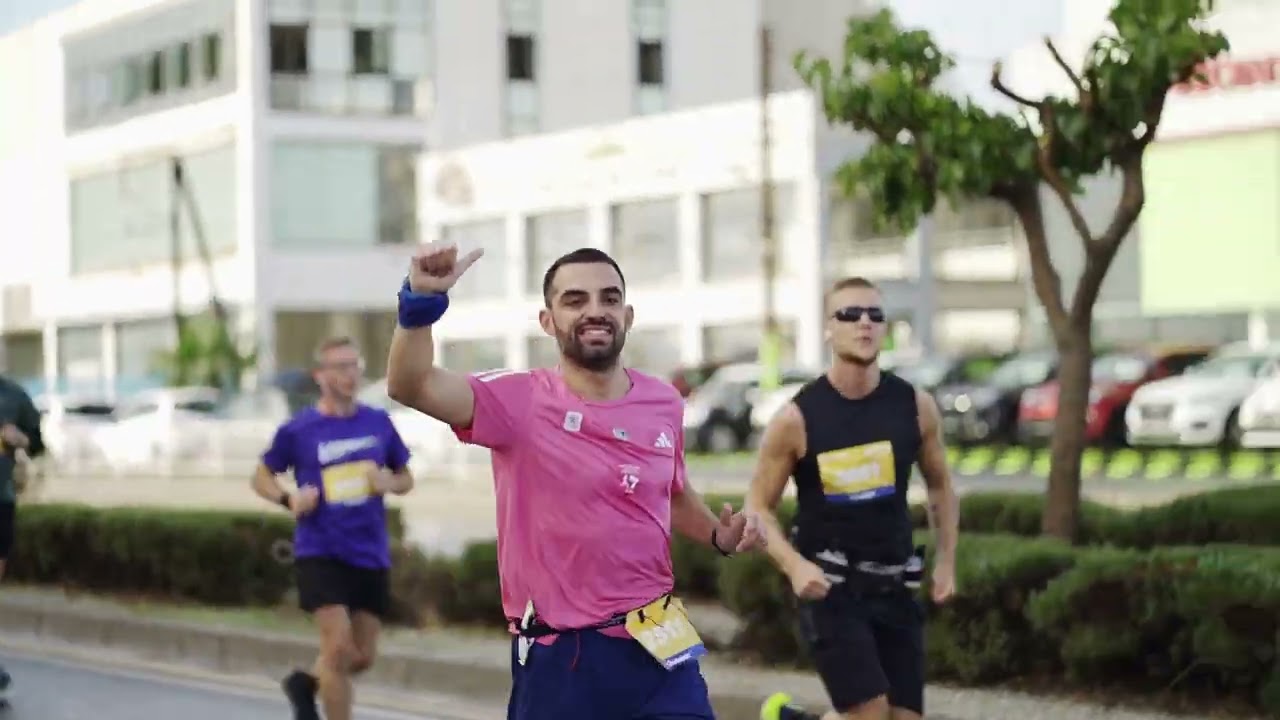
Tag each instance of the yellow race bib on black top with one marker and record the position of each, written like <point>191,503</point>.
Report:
<point>348,483</point>
<point>859,473</point>
<point>664,629</point>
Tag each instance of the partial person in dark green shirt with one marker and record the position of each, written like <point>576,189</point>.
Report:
<point>19,432</point>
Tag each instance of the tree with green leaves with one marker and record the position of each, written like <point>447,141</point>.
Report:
<point>929,145</point>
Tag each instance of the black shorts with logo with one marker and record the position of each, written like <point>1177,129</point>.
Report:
<point>868,644</point>
<point>324,581</point>
<point>8,513</point>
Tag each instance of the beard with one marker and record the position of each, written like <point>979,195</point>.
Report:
<point>594,358</point>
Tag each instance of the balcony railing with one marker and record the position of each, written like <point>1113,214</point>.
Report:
<point>361,95</point>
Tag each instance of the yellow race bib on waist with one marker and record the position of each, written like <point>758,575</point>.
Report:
<point>663,628</point>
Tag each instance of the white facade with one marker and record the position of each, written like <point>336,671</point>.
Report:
<point>679,158</point>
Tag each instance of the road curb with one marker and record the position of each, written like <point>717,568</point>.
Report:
<point>236,650</point>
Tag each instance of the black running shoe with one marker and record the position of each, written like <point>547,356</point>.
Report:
<point>300,687</point>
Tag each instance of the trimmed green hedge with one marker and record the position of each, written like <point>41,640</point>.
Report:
<point>1243,515</point>
<point>1202,619</point>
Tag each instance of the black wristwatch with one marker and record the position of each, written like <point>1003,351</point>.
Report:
<point>716,545</point>
<point>284,501</point>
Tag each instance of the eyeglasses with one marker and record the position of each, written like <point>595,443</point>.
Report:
<point>345,365</point>
<point>854,313</point>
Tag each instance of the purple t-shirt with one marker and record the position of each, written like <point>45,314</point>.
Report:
<point>336,454</point>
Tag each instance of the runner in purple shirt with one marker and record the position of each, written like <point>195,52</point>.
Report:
<point>345,457</point>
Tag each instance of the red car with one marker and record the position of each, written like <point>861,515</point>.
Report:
<point>1116,376</point>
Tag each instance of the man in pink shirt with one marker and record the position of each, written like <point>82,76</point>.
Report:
<point>589,470</point>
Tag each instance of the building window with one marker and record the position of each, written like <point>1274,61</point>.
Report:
<point>649,62</point>
<point>470,356</point>
<point>180,62</point>
<point>212,51</point>
<point>548,236</point>
<point>740,342</point>
<point>520,57</point>
<point>337,194</point>
<point>732,240</point>
<point>120,219</point>
<point>543,350</point>
<point>289,49</point>
<point>646,240</point>
<point>155,74</point>
<point>486,279</point>
<point>371,51</point>
<point>653,350</point>
<point>649,25</point>
<point>398,195</point>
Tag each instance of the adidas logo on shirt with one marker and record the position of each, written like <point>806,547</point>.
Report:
<point>663,441</point>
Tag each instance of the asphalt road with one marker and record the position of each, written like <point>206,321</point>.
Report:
<point>59,689</point>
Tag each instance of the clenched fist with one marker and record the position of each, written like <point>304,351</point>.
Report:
<point>436,268</point>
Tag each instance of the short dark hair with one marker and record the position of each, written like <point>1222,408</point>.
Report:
<point>331,343</point>
<point>581,256</point>
<point>850,283</point>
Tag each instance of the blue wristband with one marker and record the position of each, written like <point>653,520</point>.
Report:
<point>418,310</point>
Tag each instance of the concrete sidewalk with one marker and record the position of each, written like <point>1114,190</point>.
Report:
<point>468,666</point>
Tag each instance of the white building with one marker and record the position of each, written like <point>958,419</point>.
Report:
<point>675,199</point>
<point>297,125</point>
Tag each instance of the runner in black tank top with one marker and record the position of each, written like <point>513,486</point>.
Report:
<point>850,440</point>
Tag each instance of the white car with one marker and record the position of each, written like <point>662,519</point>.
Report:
<point>769,405</point>
<point>434,450</point>
<point>157,427</point>
<point>1201,407</point>
<point>1260,416</point>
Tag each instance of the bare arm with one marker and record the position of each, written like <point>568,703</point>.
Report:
<point>691,517</point>
<point>943,508</point>
<point>268,487</point>
<point>399,482</point>
<point>29,424</point>
<point>781,446</point>
<point>414,380</point>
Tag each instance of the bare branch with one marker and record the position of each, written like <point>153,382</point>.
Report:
<point>1057,57</point>
<point>1004,90</point>
<point>1045,280</point>
<point>1133,195</point>
<point>1049,172</point>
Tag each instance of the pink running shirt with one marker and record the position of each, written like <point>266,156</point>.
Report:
<point>583,493</point>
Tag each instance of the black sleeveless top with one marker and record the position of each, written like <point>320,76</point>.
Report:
<point>852,482</point>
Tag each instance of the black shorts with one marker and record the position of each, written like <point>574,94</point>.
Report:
<point>324,581</point>
<point>8,513</point>
<point>869,645</point>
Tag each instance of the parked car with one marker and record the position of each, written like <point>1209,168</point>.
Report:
<point>688,379</point>
<point>1201,407</point>
<point>1116,376</point>
<point>717,416</point>
<point>767,406</point>
<point>1260,416</point>
<point>161,425</point>
<point>935,371</point>
<point>987,411</point>
<point>67,423</point>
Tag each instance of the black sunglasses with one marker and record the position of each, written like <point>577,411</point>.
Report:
<point>854,313</point>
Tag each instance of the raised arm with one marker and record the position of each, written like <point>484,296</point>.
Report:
<point>413,379</point>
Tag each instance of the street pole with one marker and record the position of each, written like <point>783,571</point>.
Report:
<point>770,341</point>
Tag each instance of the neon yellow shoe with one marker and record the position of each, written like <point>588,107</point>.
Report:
<point>778,707</point>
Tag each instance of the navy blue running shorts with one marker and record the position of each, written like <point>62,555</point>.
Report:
<point>586,675</point>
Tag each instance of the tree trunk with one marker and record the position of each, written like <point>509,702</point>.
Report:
<point>1075,371</point>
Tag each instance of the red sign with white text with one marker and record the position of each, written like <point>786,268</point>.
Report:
<point>1232,74</point>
